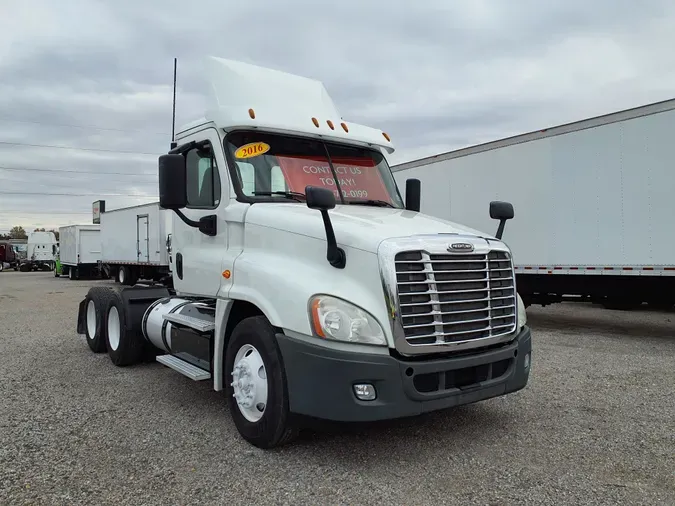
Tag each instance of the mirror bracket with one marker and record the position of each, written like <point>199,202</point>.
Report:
<point>323,199</point>
<point>206,224</point>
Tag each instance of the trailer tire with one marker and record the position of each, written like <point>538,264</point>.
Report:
<point>124,276</point>
<point>94,329</point>
<point>253,345</point>
<point>125,345</point>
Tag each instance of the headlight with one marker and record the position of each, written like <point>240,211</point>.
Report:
<point>336,319</point>
<point>522,315</point>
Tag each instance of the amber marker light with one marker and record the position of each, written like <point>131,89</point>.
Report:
<point>315,318</point>
<point>227,274</point>
<point>251,113</point>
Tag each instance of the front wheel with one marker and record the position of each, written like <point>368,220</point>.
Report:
<point>256,388</point>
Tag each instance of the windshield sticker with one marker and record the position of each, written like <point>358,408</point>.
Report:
<point>252,149</point>
<point>358,178</point>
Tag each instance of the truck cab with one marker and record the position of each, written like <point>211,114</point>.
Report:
<point>304,283</point>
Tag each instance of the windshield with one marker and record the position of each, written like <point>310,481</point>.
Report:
<point>272,166</point>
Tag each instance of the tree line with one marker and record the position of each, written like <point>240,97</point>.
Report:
<point>18,232</point>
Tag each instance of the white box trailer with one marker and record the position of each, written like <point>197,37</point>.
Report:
<point>593,204</point>
<point>134,243</point>
<point>80,250</point>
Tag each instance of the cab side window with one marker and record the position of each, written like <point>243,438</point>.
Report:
<point>203,180</point>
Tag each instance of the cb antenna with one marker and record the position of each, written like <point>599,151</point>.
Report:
<point>173,117</point>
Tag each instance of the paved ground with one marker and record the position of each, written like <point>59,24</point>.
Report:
<point>596,425</point>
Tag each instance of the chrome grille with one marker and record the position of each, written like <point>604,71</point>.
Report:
<point>445,298</point>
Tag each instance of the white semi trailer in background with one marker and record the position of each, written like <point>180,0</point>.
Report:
<point>302,283</point>
<point>594,200</point>
<point>80,250</point>
<point>135,243</point>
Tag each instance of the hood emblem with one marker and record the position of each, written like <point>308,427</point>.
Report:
<point>461,246</point>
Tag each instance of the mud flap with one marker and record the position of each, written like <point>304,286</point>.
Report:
<point>81,312</point>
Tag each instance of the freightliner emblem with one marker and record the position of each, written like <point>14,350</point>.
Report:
<point>461,246</point>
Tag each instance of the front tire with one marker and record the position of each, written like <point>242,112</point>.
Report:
<point>256,389</point>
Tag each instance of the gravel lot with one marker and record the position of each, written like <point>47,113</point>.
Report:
<point>596,425</point>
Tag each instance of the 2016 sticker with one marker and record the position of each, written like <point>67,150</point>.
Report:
<point>252,149</point>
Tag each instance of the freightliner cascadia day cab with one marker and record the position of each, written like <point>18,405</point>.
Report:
<point>303,285</point>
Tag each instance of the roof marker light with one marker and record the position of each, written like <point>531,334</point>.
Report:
<point>386,136</point>
<point>344,127</point>
<point>316,122</point>
<point>251,113</point>
<point>330,125</point>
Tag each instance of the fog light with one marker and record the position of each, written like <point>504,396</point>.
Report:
<point>365,392</point>
<point>526,362</point>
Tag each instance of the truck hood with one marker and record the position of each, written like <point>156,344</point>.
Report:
<point>362,227</point>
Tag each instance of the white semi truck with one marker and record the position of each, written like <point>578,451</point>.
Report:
<point>80,250</point>
<point>41,249</point>
<point>303,283</point>
<point>594,200</point>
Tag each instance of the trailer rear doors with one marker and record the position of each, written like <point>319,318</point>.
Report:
<point>143,238</point>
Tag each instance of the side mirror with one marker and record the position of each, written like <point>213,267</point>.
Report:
<point>413,194</point>
<point>319,198</point>
<point>501,211</point>
<point>172,181</point>
<point>323,199</point>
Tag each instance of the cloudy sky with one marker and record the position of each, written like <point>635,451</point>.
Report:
<point>85,86</point>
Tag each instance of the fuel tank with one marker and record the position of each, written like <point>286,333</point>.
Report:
<point>168,336</point>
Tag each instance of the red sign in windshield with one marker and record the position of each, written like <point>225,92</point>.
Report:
<point>359,178</point>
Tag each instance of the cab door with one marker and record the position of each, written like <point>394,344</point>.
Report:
<point>197,257</point>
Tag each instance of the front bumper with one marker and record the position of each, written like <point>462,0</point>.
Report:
<point>320,380</point>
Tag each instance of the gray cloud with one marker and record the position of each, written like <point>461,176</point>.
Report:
<point>436,75</point>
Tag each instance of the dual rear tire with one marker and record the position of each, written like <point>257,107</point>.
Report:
<point>106,327</point>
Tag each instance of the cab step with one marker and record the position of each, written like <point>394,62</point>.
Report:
<point>183,367</point>
<point>190,321</point>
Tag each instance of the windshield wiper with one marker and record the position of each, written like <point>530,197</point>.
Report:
<point>300,197</point>
<point>378,203</point>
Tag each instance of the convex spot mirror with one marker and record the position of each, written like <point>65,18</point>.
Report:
<point>319,198</point>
